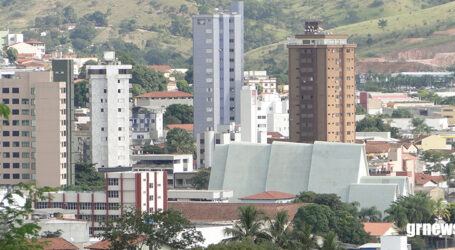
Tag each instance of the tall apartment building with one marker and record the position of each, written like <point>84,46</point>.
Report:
<point>218,68</point>
<point>110,112</point>
<point>33,141</point>
<point>321,86</point>
<point>63,71</point>
<point>146,191</point>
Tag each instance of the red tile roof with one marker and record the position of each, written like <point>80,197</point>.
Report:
<point>377,228</point>
<point>275,135</point>
<point>165,94</point>
<point>269,195</point>
<point>377,148</point>
<point>106,244</point>
<point>187,127</point>
<point>160,68</point>
<point>33,41</point>
<point>421,178</point>
<point>213,212</point>
<point>56,244</point>
<point>409,157</point>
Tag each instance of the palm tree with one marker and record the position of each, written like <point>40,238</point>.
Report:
<point>370,215</point>
<point>330,242</point>
<point>419,127</point>
<point>278,230</point>
<point>250,225</point>
<point>441,211</point>
<point>302,238</point>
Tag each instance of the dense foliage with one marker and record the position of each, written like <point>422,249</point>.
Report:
<point>375,124</point>
<point>178,114</point>
<point>87,178</point>
<point>179,141</point>
<point>201,179</point>
<point>417,208</point>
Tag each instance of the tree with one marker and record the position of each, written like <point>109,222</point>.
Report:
<point>152,149</point>
<point>402,113</point>
<point>178,141</point>
<point>87,178</point>
<point>83,70</point>
<point>279,229</point>
<point>243,244</point>
<point>50,234</point>
<point>317,216</point>
<point>17,232</point>
<point>149,79</point>
<point>419,127</point>
<point>302,237</point>
<point>418,208</point>
<point>330,242</point>
<point>182,85</point>
<point>441,210</point>
<point>370,215</point>
<point>436,157</point>
<point>81,94</point>
<point>451,209</point>
<point>259,88</point>
<point>189,75</point>
<point>158,228</point>
<point>11,54</point>
<point>178,114</point>
<point>84,32</point>
<point>4,111</point>
<point>375,124</point>
<point>250,225</point>
<point>125,57</point>
<point>70,15</point>
<point>201,179</point>
<point>360,110</point>
<point>382,23</point>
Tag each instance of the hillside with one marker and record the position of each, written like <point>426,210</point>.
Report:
<point>161,29</point>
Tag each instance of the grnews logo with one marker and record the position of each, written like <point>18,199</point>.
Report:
<point>427,229</point>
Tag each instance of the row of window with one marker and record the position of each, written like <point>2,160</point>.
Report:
<point>24,155</point>
<point>17,176</point>
<point>82,205</point>
<point>16,133</point>
<point>16,101</point>
<point>25,165</point>
<point>16,123</point>
<point>23,112</point>
<point>16,144</point>
<point>13,90</point>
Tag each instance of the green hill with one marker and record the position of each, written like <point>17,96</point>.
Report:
<point>161,29</point>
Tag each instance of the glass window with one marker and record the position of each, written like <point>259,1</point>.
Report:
<point>5,100</point>
<point>16,165</point>
<point>26,111</point>
<point>26,165</point>
<point>25,133</point>
<point>15,144</point>
<point>15,154</point>
<point>32,91</point>
<point>6,176</point>
<point>6,154</point>
<point>6,144</point>
<point>25,101</point>
<point>15,111</point>
<point>5,133</point>
<point>15,133</point>
<point>15,122</point>
<point>6,165</point>
<point>5,123</point>
<point>5,90</point>
<point>15,90</point>
<point>15,101</point>
<point>15,176</point>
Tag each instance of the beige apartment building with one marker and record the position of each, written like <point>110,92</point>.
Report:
<point>321,86</point>
<point>33,141</point>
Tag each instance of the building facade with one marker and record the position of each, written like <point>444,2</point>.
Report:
<point>218,68</point>
<point>254,78</point>
<point>110,112</point>
<point>146,191</point>
<point>147,127</point>
<point>163,99</point>
<point>321,86</point>
<point>34,146</point>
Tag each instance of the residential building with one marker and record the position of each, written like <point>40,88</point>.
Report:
<point>163,99</point>
<point>275,109</point>
<point>26,50</point>
<point>40,46</point>
<point>34,146</point>
<point>206,144</point>
<point>432,142</point>
<point>449,113</point>
<point>73,230</point>
<point>379,229</point>
<point>425,180</point>
<point>147,126</point>
<point>164,69</point>
<point>322,167</point>
<point>254,78</point>
<point>321,86</point>
<point>110,112</point>
<point>62,70</point>
<point>164,162</point>
<point>217,68</point>
<point>15,38</point>
<point>146,191</point>
<point>248,116</point>
<point>81,144</point>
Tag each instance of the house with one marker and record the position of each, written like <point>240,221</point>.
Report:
<point>379,229</point>
<point>435,193</point>
<point>106,244</point>
<point>164,69</point>
<point>410,148</point>
<point>56,244</point>
<point>212,218</point>
<point>27,49</point>
<point>172,86</point>
<point>432,142</point>
<point>322,167</point>
<point>425,180</point>
<point>163,99</point>
<point>377,149</point>
<point>269,197</point>
<point>40,46</point>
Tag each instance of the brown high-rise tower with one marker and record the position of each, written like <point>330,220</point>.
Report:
<point>321,86</point>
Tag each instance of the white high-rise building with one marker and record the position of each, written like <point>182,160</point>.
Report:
<point>248,100</point>
<point>110,112</point>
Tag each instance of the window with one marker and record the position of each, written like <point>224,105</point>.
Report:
<point>6,144</point>
<point>5,100</point>
<point>25,133</point>
<point>105,90</point>
<point>15,122</point>
<point>119,110</point>
<point>25,123</point>
<point>26,176</point>
<point>26,165</point>
<point>25,111</point>
<point>200,21</point>
<point>25,101</point>
<point>112,181</point>
<point>32,91</point>
<point>15,154</point>
<point>15,90</point>
<point>15,176</point>
<point>5,123</point>
<point>15,100</point>
<point>15,133</point>
<point>102,110</point>
<point>119,91</point>
<point>6,165</point>
<point>25,155</point>
<point>112,194</point>
<point>15,144</point>
<point>5,90</point>
<point>6,176</point>
<point>5,133</point>
<point>15,111</point>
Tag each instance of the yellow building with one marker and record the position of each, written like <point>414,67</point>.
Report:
<point>449,113</point>
<point>432,142</point>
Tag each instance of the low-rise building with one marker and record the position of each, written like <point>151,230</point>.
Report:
<point>269,197</point>
<point>254,78</point>
<point>147,126</point>
<point>146,191</point>
<point>432,142</point>
<point>449,113</point>
<point>163,99</point>
<point>187,195</point>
